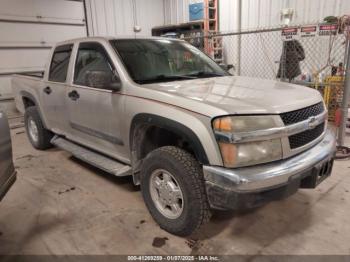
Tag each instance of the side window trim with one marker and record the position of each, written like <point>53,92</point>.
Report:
<point>109,60</point>
<point>60,48</point>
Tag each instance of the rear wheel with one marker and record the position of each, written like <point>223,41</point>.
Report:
<point>173,189</point>
<point>38,136</point>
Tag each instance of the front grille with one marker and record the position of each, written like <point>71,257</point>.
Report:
<point>302,114</point>
<point>305,137</point>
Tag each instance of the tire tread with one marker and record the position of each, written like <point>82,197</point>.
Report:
<point>45,135</point>
<point>194,176</point>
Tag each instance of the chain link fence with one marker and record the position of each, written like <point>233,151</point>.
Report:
<point>264,54</point>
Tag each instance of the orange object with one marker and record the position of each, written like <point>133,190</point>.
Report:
<point>223,124</point>
<point>337,119</point>
<point>228,153</point>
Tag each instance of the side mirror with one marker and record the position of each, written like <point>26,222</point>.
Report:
<point>102,79</point>
<point>116,85</point>
<point>226,67</point>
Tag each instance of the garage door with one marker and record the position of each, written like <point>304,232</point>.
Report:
<point>28,29</point>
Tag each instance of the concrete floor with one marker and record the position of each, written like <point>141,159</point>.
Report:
<point>60,205</point>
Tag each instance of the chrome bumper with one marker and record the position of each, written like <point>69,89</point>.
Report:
<point>266,176</point>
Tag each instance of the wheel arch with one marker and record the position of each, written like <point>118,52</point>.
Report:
<point>143,122</point>
<point>29,100</point>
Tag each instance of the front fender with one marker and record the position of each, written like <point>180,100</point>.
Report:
<point>196,128</point>
<point>173,126</point>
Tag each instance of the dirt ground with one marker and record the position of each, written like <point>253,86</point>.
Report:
<point>60,205</point>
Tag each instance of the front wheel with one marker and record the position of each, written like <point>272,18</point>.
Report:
<point>173,189</point>
<point>38,136</point>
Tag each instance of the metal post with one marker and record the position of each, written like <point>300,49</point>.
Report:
<point>239,28</point>
<point>346,97</point>
<point>86,19</point>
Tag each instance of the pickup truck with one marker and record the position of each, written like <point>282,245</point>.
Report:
<point>194,137</point>
<point>7,170</point>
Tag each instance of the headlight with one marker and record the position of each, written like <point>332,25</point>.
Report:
<point>247,153</point>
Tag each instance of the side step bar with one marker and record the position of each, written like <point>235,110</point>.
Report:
<point>94,158</point>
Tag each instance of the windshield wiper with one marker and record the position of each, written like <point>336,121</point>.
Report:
<point>161,78</point>
<point>204,74</point>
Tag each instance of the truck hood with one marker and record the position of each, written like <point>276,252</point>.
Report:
<point>236,95</point>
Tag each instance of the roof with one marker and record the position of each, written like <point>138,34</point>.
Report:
<point>108,38</point>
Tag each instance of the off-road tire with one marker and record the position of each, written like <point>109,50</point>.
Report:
<point>44,135</point>
<point>188,172</point>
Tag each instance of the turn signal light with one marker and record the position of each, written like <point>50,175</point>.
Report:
<point>223,124</point>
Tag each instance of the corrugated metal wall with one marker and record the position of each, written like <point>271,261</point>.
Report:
<point>176,11</point>
<point>118,17</point>
<point>28,29</point>
<point>266,13</point>
<point>261,13</point>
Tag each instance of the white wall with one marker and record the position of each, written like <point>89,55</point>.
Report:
<point>118,17</point>
<point>176,11</point>
<point>28,28</point>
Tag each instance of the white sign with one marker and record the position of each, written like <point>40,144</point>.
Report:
<point>308,31</point>
<point>290,33</point>
<point>326,29</point>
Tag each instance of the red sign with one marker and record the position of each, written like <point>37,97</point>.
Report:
<point>308,31</point>
<point>326,29</point>
<point>290,33</point>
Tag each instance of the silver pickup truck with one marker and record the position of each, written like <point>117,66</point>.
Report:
<point>193,136</point>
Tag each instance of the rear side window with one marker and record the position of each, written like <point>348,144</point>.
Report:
<point>59,63</point>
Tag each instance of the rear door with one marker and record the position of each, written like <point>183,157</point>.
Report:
<point>7,174</point>
<point>94,112</point>
<point>54,90</point>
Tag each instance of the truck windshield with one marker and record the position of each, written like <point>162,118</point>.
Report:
<point>162,60</point>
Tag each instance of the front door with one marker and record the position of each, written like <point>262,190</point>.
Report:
<point>94,110</point>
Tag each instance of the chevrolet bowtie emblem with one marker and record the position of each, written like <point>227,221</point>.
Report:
<point>312,122</point>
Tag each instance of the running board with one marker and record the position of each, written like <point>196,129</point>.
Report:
<point>96,159</point>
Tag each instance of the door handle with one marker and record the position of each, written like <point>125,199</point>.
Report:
<point>47,90</point>
<point>74,95</point>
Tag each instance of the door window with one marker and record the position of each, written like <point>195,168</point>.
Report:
<point>59,63</point>
<point>93,66</point>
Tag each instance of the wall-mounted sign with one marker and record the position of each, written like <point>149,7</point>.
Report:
<point>290,33</point>
<point>308,31</point>
<point>326,29</point>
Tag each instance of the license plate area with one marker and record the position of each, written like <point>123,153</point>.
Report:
<point>318,173</point>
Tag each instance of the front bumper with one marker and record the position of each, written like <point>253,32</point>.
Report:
<point>249,187</point>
